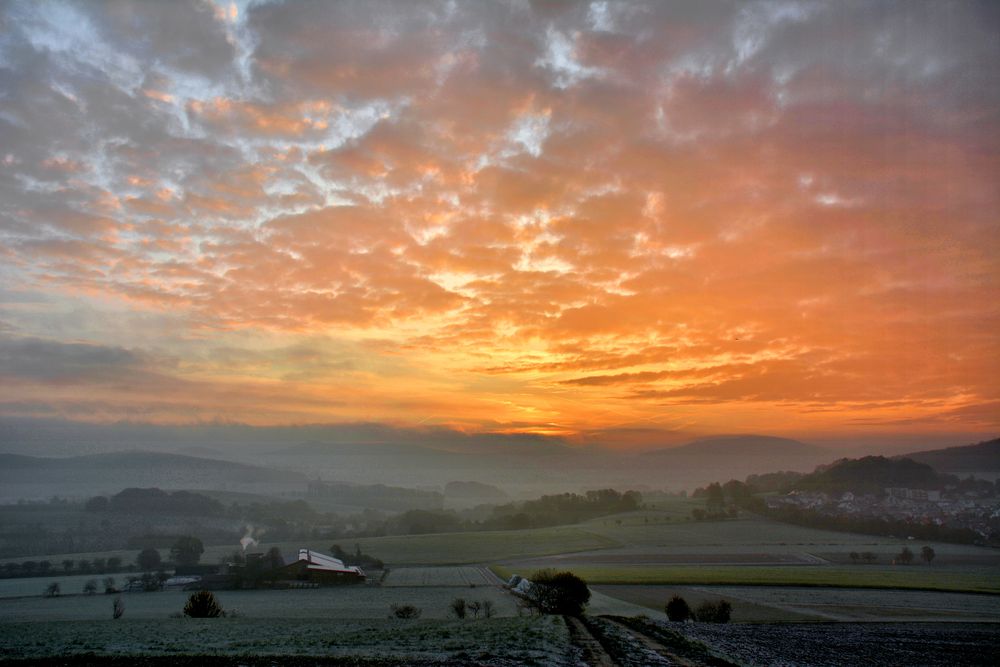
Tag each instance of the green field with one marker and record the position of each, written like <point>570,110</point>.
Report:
<point>912,577</point>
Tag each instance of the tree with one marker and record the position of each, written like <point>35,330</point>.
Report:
<point>90,587</point>
<point>475,607</point>
<point>905,556</point>
<point>148,559</point>
<point>203,605</point>
<point>68,565</point>
<point>927,553</point>
<point>869,557</point>
<point>117,607</point>
<point>114,564</point>
<point>855,556</point>
<point>714,497</point>
<point>187,550</point>
<point>52,590</point>
<point>97,504</point>
<point>457,607</point>
<point>109,585</point>
<point>274,558</point>
<point>559,592</point>
<point>677,609</point>
<point>488,610</point>
<point>714,612</point>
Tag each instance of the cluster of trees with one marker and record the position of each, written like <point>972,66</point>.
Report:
<point>41,568</point>
<point>155,501</point>
<point>459,608</point>
<point>565,508</point>
<point>678,611</point>
<point>551,510</point>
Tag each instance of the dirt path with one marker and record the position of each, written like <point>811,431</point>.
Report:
<point>655,646</point>
<point>594,654</point>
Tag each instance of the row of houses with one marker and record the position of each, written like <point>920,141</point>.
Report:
<point>915,505</point>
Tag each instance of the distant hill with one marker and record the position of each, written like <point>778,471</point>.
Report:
<point>981,457</point>
<point>33,477</point>
<point>871,474</point>
<point>474,492</point>
<point>736,456</point>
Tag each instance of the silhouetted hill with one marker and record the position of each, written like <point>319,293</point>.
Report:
<point>91,474</point>
<point>871,474</point>
<point>982,457</point>
<point>736,456</point>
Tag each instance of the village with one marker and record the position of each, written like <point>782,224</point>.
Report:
<point>977,511</point>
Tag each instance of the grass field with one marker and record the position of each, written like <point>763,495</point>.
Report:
<point>768,604</point>
<point>913,577</point>
<point>435,549</point>
<point>527,641</point>
<point>334,604</point>
<point>456,576</point>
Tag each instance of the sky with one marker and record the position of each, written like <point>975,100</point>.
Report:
<point>611,221</point>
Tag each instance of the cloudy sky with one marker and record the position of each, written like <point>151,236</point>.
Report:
<point>554,217</point>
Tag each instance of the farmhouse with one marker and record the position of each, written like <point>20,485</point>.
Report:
<point>319,568</point>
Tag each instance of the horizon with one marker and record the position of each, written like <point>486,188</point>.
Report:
<point>616,224</point>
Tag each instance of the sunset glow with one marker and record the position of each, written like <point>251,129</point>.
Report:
<point>617,222</point>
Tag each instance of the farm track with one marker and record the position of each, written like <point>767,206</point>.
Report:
<point>655,646</point>
<point>593,652</point>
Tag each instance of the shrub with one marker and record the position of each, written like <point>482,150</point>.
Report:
<point>406,611</point>
<point>52,590</point>
<point>678,610</point>
<point>458,607</point>
<point>90,587</point>
<point>203,605</point>
<point>559,592</point>
<point>488,610</point>
<point>714,612</point>
<point>905,556</point>
<point>109,585</point>
<point>117,607</point>
<point>475,607</point>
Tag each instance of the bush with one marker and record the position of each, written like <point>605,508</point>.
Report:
<point>406,611</point>
<point>559,592</point>
<point>52,590</point>
<point>714,612</point>
<point>678,610</point>
<point>90,587</point>
<point>458,607</point>
<point>203,605</point>
<point>117,607</point>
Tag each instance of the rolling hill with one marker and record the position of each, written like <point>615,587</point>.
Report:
<point>736,456</point>
<point>33,477</point>
<point>981,457</point>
